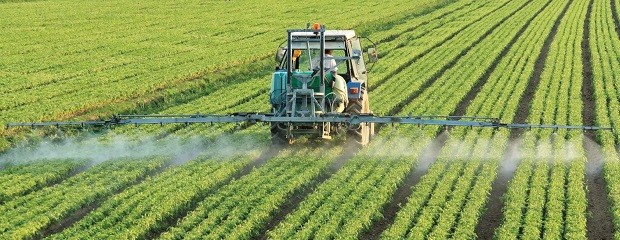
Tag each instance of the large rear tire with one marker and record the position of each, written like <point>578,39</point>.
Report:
<point>360,133</point>
<point>278,136</point>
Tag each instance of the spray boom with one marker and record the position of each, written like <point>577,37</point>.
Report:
<point>346,119</point>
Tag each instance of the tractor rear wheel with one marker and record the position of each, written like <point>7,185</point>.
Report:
<point>360,133</point>
<point>278,136</point>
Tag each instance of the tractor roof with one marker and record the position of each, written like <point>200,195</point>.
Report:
<point>348,34</point>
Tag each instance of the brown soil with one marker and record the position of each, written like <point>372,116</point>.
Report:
<point>492,217</point>
<point>599,221</point>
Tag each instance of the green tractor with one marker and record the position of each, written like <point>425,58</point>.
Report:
<point>323,74</point>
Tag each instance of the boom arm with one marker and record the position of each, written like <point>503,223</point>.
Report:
<point>335,118</point>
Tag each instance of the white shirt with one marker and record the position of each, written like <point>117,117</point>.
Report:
<point>329,64</point>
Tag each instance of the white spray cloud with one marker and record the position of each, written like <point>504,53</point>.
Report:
<point>97,149</point>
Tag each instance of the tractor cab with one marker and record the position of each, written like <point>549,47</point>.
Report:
<point>319,72</point>
<point>346,52</point>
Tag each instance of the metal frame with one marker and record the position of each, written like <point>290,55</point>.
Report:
<point>309,98</point>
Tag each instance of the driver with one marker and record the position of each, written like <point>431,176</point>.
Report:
<point>328,64</point>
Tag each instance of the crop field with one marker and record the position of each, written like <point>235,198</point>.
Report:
<point>551,62</point>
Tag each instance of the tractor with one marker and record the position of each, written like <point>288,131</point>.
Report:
<point>303,85</point>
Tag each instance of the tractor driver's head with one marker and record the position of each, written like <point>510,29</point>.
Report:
<point>328,51</point>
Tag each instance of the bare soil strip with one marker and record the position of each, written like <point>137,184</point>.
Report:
<point>526,100</point>
<point>292,203</point>
<point>492,217</point>
<point>599,221</point>
<point>403,191</point>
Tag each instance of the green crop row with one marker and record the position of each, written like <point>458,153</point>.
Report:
<point>27,216</point>
<point>148,207</point>
<point>423,69</point>
<point>451,220</point>
<point>90,71</point>
<point>346,204</point>
<point>553,170</point>
<point>241,208</point>
<point>21,179</point>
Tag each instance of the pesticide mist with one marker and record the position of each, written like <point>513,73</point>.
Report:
<point>97,149</point>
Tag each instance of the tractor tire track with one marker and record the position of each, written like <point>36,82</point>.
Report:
<point>492,217</point>
<point>599,222</point>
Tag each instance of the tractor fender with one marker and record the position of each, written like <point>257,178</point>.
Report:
<point>340,91</point>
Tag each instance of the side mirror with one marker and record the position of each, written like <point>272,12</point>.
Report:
<point>280,54</point>
<point>373,56</point>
